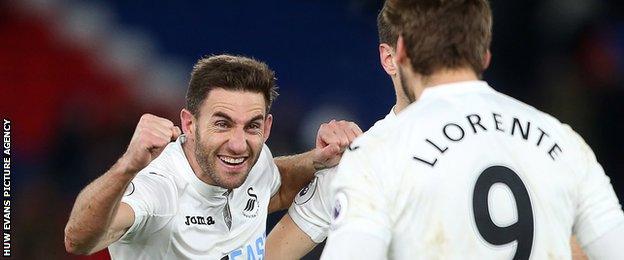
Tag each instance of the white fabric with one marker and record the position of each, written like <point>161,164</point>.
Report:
<point>371,246</point>
<point>311,209</point>
<point>177,216</point>
<point>414,186</point>
<point>608,246</point>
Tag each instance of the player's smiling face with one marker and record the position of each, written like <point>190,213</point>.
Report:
<point>229,134</point>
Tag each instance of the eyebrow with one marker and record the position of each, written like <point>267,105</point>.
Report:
<point>226,117</point>
<point>221,114</point>
<point>258,117</point>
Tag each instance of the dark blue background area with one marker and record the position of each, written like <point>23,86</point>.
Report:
<point>322,51</point>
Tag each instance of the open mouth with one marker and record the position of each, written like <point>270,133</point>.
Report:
<point>232,161</point>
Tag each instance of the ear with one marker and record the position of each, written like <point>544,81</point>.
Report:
<point>187,120</point>
<point>401,52</point>
<point>487,59</point>
<point>386,58</point>
<point>268,122</point>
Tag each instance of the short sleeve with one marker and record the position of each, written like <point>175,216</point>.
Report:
<point>359,201</point>
<point>152,197</point>
<point>598,208</point>
<point>310,211</point>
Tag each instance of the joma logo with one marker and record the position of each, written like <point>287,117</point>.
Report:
<point>199,220</point>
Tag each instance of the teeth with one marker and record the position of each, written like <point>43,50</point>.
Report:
<point>232,160</point>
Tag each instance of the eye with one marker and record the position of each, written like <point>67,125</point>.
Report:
<point>221,124</point>
<point>254,125</point>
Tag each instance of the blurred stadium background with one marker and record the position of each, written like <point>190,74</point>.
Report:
<point>76,75</point>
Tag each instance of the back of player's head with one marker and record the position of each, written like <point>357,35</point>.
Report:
<point>442,34</point>
<point>387,33</point>
<point>231,73</point>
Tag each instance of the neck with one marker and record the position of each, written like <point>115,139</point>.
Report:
<point>401,103</point>
<point>449,76</point>
<point>189,152</point>
<point>401,99</point>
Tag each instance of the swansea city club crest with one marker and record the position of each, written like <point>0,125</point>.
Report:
<point>252,205</point>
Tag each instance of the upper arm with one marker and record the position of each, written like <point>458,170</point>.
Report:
<point>360,204</point>
<point>306,223</point>
<point>288,241</point>
<point>151,200</point>
<point>608,246</point>
<point>598,208</point>
<point>355,244</point>
<point>311,208</point>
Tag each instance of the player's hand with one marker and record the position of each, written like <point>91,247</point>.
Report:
<point>331,141</point>
<point>150,137</point>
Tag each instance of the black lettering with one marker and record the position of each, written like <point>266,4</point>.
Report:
<point>477,123</point>
<point>551,152</point>
<point>516,122</point>
<point>436,146</point>
<point>542,134</point>
<point>458,127</point>
<point>199,220</point>
<point>432,164</point>
<point>497,122</point>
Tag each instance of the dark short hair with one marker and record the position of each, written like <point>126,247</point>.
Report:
<point>387,33</point>
<point>442,34</point>
<point>229,72</point>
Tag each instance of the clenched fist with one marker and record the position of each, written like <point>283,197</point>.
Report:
<point>331,141</point>
<point>150,137</point>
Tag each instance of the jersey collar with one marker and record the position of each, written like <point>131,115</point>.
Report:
<point>392,115</point>
<point>454,88</point>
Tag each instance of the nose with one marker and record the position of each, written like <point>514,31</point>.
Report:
<point>238,141</point>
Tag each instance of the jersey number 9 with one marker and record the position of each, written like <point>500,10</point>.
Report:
<point>520,231</point>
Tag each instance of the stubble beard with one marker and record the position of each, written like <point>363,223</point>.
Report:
<point>404,85</point>
<point>207,162</point>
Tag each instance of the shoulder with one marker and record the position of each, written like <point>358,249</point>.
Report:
<point>164,175</point>
<point>164,170</point>
<point>362,163</point>
<point>265,160</point>
<point>574,145</point>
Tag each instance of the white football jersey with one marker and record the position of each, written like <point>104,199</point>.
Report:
<point>177,216</point>
<point>311,209</point>
<point>470,173</point>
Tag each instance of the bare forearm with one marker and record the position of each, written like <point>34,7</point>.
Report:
<point>288,241</point>
<point>95,209</point>
<point>295,171</point>
<point>298,167</point>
